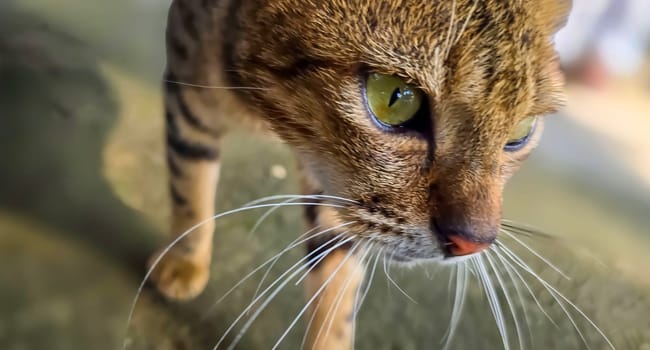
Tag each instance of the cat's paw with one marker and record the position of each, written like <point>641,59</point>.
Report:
<point>179,277</point>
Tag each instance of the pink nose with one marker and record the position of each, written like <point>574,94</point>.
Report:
<point>459,246</point>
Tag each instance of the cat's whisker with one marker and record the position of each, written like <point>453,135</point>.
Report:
<point>531,232</point>
<point>450,30</point>
<point>524,230</point>
<point>214,87</point>
<point>302,196</point>
<point>297,242</point>
<point>452,277</point>
<point>508,297</point>
<point>517,287</point>
<point>339,296</point>
<point>291,198</point>
<point>271,261</point>
<point>360,298</point>
<point>390,279</point>
<point>180,237</point>
<point>493,299</point>
<point>314,264</point>
<point>559,298</point>
<point>307,261</point>
<point>268,213</point>
<point>317,293</point>
<point>469,16</point>
<point>523,281</point>
<point>538,255</point>
<point>311,320</point>
<point>459,302</point>
<point>370,279</point>
<point>525,267</point>
<point>268,270</point>
<point>350,253</point>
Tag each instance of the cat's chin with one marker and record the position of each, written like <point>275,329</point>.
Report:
<point>409,261</point>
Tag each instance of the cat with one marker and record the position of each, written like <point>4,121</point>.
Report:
<point>407,117</point>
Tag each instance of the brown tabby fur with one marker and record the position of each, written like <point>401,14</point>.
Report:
<point>297,68</point>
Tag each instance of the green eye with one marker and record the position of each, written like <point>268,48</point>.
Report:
<point>521,133</point>
<point>392,101</point>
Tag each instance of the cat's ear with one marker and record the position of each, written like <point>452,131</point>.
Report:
<point>554,13</point>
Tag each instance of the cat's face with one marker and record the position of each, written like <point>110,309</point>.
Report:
<point>484,71</point>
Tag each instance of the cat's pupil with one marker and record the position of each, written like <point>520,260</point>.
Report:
<point>397,94</point>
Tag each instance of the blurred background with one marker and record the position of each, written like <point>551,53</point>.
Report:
<point>83,197</point>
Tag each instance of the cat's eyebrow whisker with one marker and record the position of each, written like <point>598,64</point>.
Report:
<point>450,30</point>
<point>292,271</point>
<point>506,293</point>
<point>215,87</point>
<point>469,16</point>
<point>331,313</point>
<point>493,299</point>
<point>390,279</point>
<point>538,255</point>
<point>559,298</point>
<point>180,237</point>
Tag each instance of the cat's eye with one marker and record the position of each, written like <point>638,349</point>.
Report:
<point>392,102</point>
<point>521,133</point>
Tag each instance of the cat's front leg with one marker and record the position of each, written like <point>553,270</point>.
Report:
<point>333,283</point>
<point>193,162</point>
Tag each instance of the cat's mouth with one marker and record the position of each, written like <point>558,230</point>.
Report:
<point>420,246</point>
<point>413,248</point>
<point>444,260</point>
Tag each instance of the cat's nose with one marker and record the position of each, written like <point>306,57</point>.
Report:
<point>461,240</point>
<point>460,246</point>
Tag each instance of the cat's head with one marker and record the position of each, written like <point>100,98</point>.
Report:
<point>418,110</point>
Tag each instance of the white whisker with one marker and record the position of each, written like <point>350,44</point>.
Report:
<point>386,272</point>
<point>557,296</point>
<point>272,261</point>
<point>450,31</point>
<point>277,258</point>
<point>181,237</point>
<point>308,258</point>
<point>459,302</point>
<point>516,285</point>
<point>360,298</point>
<point>301,196</point>
<point>316,294</point>
<point>339,297</point>
<point>523,281</point>
<point>469,16</point>
<point>215,87</point>
<point>493,300</point>
<point>506,294</point>
<point>546,261</point>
